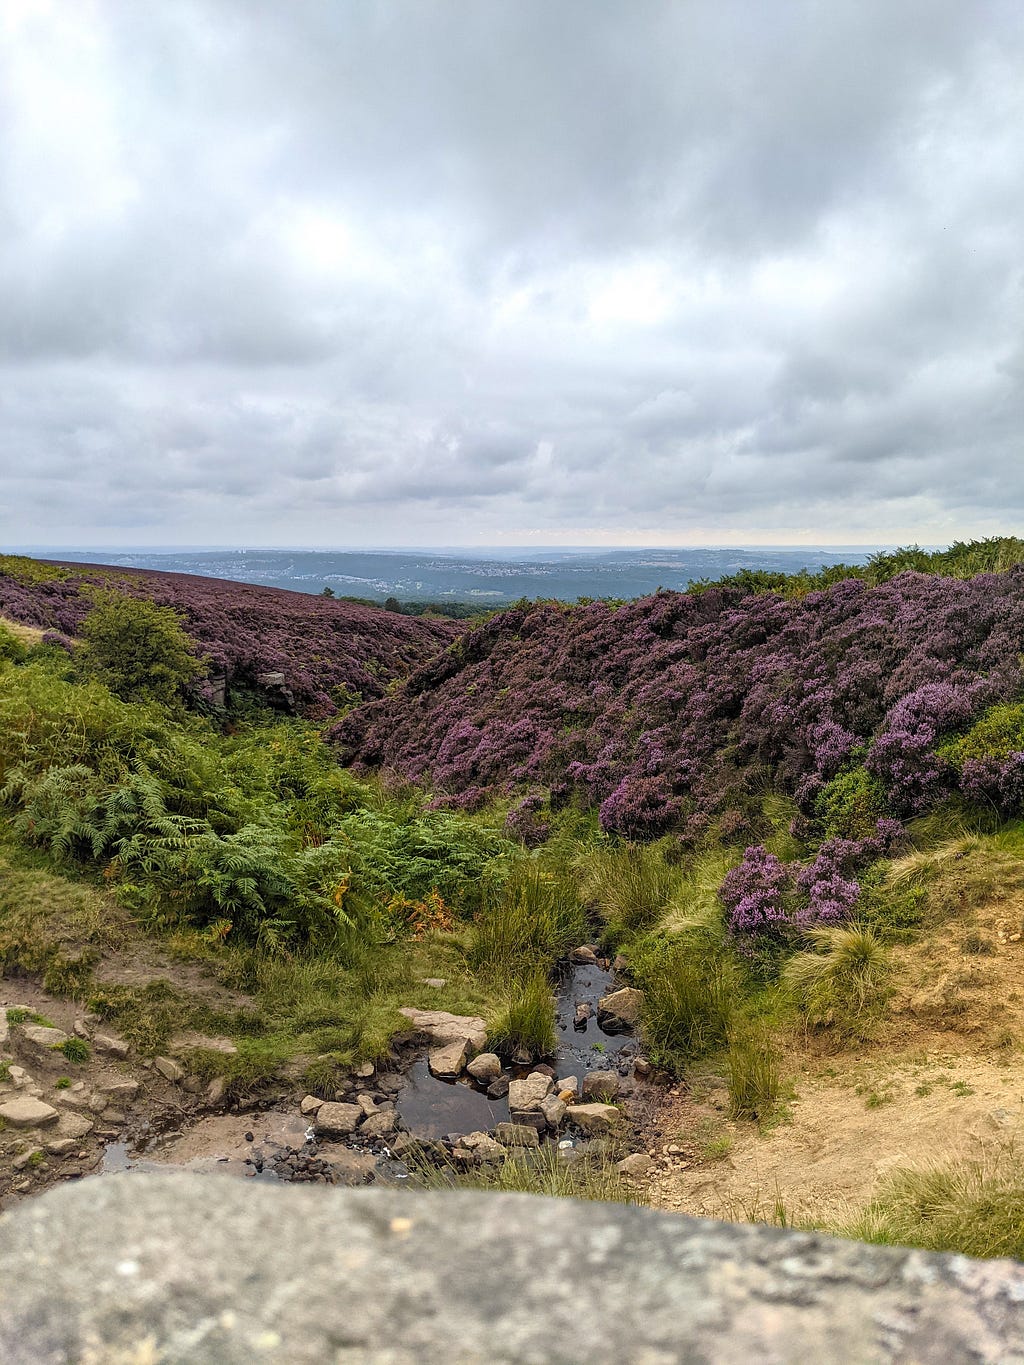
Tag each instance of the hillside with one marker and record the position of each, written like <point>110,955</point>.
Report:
<point>672,713</point>
<point>329,651</point>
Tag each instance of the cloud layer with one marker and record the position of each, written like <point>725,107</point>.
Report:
<point>399,273</point>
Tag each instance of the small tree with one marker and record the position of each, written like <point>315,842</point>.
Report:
<point>139,650</point>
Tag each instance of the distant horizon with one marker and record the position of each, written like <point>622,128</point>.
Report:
<point>477,550</point>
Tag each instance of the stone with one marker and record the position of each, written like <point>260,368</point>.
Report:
<point>442,1028</point>
<point>124,1091</point>
<point>516,1135</point>
<point>75,1126</point>
<point>183,1268</point>
<point>600,1085</point>
<point>620,1011</point>
<point>111,1045</point>
<point>25,1112</point>
<point>366,1103</point>
<point>365,1070</point>
<point>337,1120</point>
<point>526,1094</point>
<point>20,1078</point>
<point>169,1068</point>
<point>82,1029</point>
<point>641,1067</point>
<point>79,1096</point>
<point>379,1125</point>
<point>436,983</point>
<point>521,1056</point>
<point>568,1088</point>
<point>43,1037</point>
<point>595,1119</point>
<point>183,1043</point>
<point>637,1164</point>
<point>584,956</point>
<point>484,1147</point>
<point>486,1067</point>
<point>310,1105</point>
<point>498,1088</point>
<point>216,1090</point>
<point>554,1110</point>
<point>31,1157</point>
<point>448,1061</point>
<point>61,1146</point>
<point>581,1017</point>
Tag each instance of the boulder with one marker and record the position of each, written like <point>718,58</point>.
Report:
<point>526,1094</point>
<point>516,1135</point>
<point>596,1119</point>
<point>310,1105</point>
<point>448,1061</point>
<point>637,1164</point>
<point>119,1090</point>
<point>584,956</point>
<point>620,1011</point>
<point>182,1268</point>
<point>61,1146</point>
<point>486,1067</point>
<point>110,1044</point>
<point>600,1085</point>
<point>554,1110</point>
<point>42,1037</point>
<point>365,1070</point>
<point>442,1028</point>
<point>75,1126</point>
<point>169,1068</point>
<point>641,1067</point>
<point>32,1156</point>
<point>22,1111</point>
<point>484,1147</point>
<point>582,1016</point>
<point>379,1125</point>
<point>337,1120</point>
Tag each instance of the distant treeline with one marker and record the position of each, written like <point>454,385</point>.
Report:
<point>454,611</point>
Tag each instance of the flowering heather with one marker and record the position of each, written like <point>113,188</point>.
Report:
<point>323,647</point>
<point>670,711</point>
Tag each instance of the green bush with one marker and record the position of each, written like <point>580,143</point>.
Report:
<point>137,649</point>
<point>75,1049</point>
<point>999,732</point>
<point>843,983</point>
<point>850,806</point>
<point>11,648</point>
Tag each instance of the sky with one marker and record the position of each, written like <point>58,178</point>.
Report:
<point>486,272</point>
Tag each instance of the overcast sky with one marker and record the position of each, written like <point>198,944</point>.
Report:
<point>356,272</point>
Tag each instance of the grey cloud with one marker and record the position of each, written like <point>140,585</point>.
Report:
<point>674,269</point>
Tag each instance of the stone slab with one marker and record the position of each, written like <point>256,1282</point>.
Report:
<point>180,1268</point>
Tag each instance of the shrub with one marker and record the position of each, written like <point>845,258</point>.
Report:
<point>76,1049</point>
<point>843,982</point>
<point>850,806</point>
<point>137,649</point>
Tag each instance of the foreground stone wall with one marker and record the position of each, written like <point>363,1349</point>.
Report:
<point>142,1270</point>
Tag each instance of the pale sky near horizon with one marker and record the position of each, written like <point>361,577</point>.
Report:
<point>418,272</point>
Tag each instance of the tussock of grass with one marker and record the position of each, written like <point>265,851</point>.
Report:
<point>630,886</point>
<point>755,1084</point>
<point>526,1020</point>
<point>689,988</point>
<point>843,984</point>
<point>974,1206</point>
<point>526,923</point>
<point>545,1171</point>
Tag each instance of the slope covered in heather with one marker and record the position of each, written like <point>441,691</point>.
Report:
<point>676,712</point>
<point>329,651</point>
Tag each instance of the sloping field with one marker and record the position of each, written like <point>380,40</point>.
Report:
<point>323,647</point>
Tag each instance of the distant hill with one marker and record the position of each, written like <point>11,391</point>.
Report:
<point>327,650</point>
